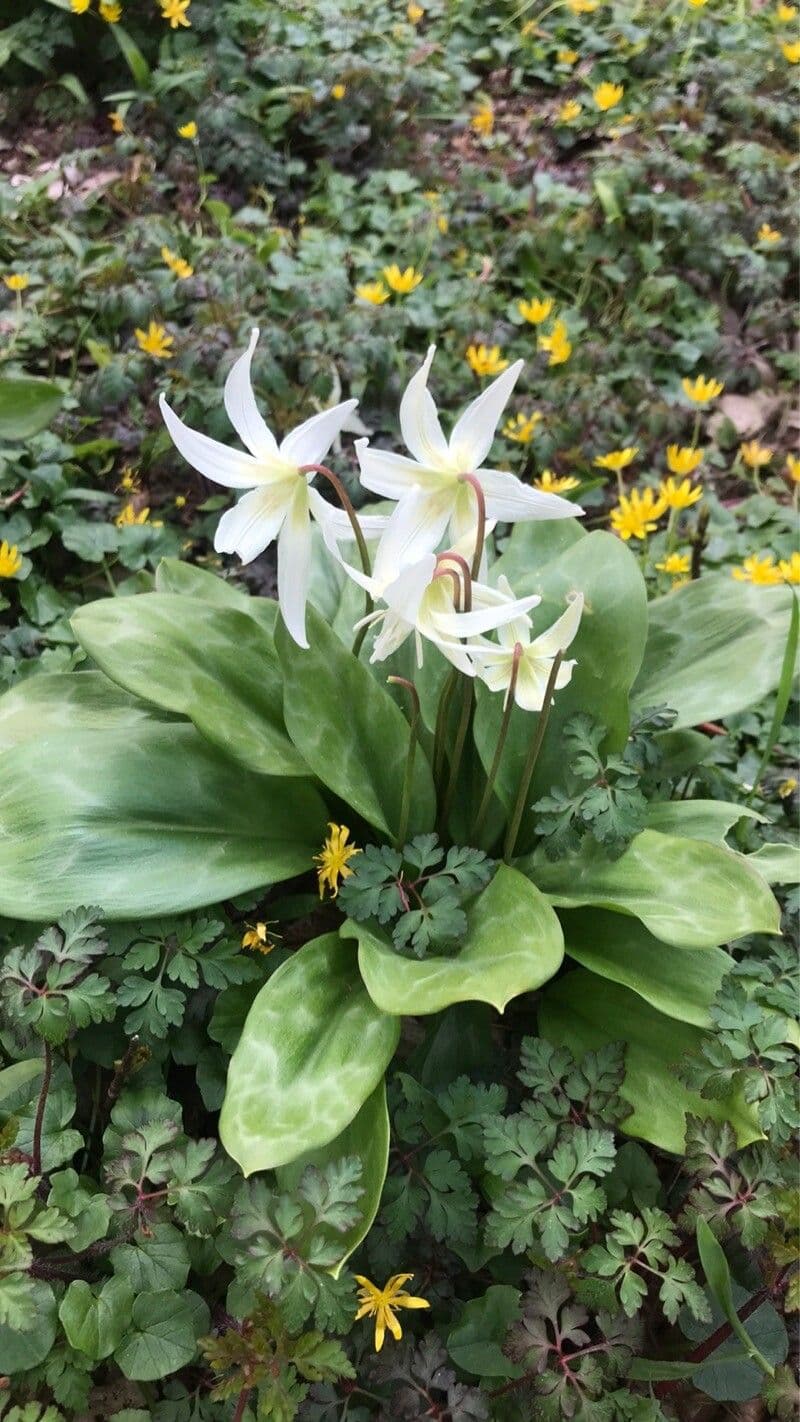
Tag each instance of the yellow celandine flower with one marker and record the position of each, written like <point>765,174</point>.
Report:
<point>443,223</point>
<point>129,480</point>
<point>187,130</point>
<point>177,265</point>
<point>637,514</point>
<point>338,91</point>
<point>117,121</point>
<point>128,517</point>
<point>683,459</point>
<point>702,388</point>
<point>10,560</point>
<point>485,360</point>
<point>414,13</point>
<point>793,467</point>
<point>679,496</point>
<point>402,282</point>
<point>380,1304</point>
<point>17,281</point>
<point>768,235</point>
<point>676,564</point>
<point>373,291</point>
<point>569,111</point>
<point>583,7</point>
<point>333,859</point>
<point>759,569</point>
<point>617,459</point>
<point>790,568</point>
<point>257,938</point>
<point>790,50</point>
<point>697,4</point>
<point>521,427</point>
<point>607,96</point>
<point>482,120</point>
<point>536,310</point>
<point>551,483</point>
<point>786,13</point>
<point>787,787</point>
<point>110,11</point>
<point>755,455</point>
<point>557,343</point>
<point>180,501</point>
<point>155,341</point>
<point>79,7</point>
<point>567,56</point>
<point>174,11</point>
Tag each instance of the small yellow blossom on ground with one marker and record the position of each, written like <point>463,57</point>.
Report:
<point>79,7</point>
<point>129,480</point>
<point>17,281</point>
<point>583,7</point>
<point>257,938</point>
<point>676,564</point>
<point>482,120</point>
<point>768,235</point>
<point>683,459</point>
<point>110,11</point>
<point>793,467</point>
<point>10,560</point>
<point>177,265</point>
<point>373,291</point>
<point>333,859</point>
<point>787,787</point>
<point>569,111</point>
<point>180,501</point>
<point>414,13</point>
<point>790,568</point>
<point>174,11</point>
<point>551,483</point>
<point>529,28</point>
<point>702,388</point>
<point>760,569</point>
<point>607,96</point>
<point>117,121</point>
<point>402,282</point>
<point>187,130</point>
<point>697,4</point>
<point>755,455</point>
<point>443,223</point>
<point>485,360</point>
<point>557,343</point>
<point>790,50</point>
<point>338,91</point>
<point>637,514</point>
<point>567,56</point>
<point>679,496</point>
<point>155,341</point>
<point>128,517</point>
<point>617,459</point>
<point>380,1304</point>
<point>537,310</point>
<point>786,13</point>
<point>521,427</point>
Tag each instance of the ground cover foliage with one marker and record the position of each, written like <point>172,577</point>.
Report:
<point>561,1111</point>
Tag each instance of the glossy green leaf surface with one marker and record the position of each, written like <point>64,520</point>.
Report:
<point>313,1049</point>
<point>55,701</point>
<point>698,819</point>
<point>27,406</point>
<point>583,1012</point>
<point>512,945</point>
<point>777,863</point>
<point>686,892</point>
<point>187,580</point>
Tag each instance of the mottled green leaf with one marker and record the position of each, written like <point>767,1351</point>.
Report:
<point>54,701</point>
<point>698,819</point>
<point>27,406</point>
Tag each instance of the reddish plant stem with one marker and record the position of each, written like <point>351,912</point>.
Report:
<point>501,740</point>
<point>724,1332</point>
<point>38,1124</point>
<point>345,501</point>
<point>480,536</point>
<point>241,1403</point>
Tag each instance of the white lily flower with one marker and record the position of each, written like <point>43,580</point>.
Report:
<point>438,465</point>
<point>282,500</point>
<point>495,662</point>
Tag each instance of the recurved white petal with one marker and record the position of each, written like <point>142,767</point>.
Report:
<point>484,619</point>
<point>336,526</point>
<point>294,564</point>
<point>310,442</point>
<point>250,526</point>
<point>562,632</point>
<point>474,431</point>
<point>419,419</point>
<point>391,475</point>
<point>511,501</point>
<point>242,410</point>
<point>229,467</point>
<point>404,594</point>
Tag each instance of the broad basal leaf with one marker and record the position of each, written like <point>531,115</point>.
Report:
<point>27,406</point>
<point>698,819</point>
<point>54,701</point>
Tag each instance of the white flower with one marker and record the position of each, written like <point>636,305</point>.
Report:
<point>496,663</point>
<point>282,500</point>
<point>438,465</point>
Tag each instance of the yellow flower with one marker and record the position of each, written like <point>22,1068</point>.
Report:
<point>10,560</point>
<point>482,120</point>
<point>175,12</point>
<point>177,265</point>
<point>155,341</point>
<point>380,1304</point>
<point>485,360</point>
<point>785,13</point>
<point>521,427</point>
<point>702,388</point>
<point>676,564</point>
<point>79,7</point>
<point>338,91</point>
<point>793,467</point>
<point>637,514</point>
<point>768,235</point>
<point>679,496</point>
<point>128,516</point>
<point>583,7</point>
<point>755,455</point>
<point>551,483</point>
<point>414,13</point>
<point>257,938</point>
<point>110,11</point>
<point>117,121</point>
<point>443,223</point>
<point>790,568</point>
<point>567,56</point>
<point>373,291</point>
<point>569,111</point>
<point>697,4</point>
<point>787,787</point>
<point>404,281</point>
<point>17,281</point>
<point>536,310</point>
<point>760,569</point>
<point>791,51</point>
<point>557,343</point>
<point>180,501</point>
<point>617,459</point>
<point>187,130</point>
<point>333,859</point>
<point>606,95</point>
<point>129,480</point>
<point>683,459</point>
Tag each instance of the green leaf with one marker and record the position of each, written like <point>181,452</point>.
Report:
<point>16,1077</point>
<point>162,1335</point>
<point>349,730</point>
<point>583,1012</point>
<point>27,406</point>
<point>135,60</point>
<point>698,632</point>
<point>476,1342</point>
<point>95,1320</point>
<point>153,1261</point>
<point>777,863</point>
<point>187,580</point>
<point>211,663</point>
<point>22,1350</point>
<point>513,944</point>
<point>54,702</point>
<point>313,1048</point>
<point>718,1278</point>
<point>687,892</point>
<point>698,819</point>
